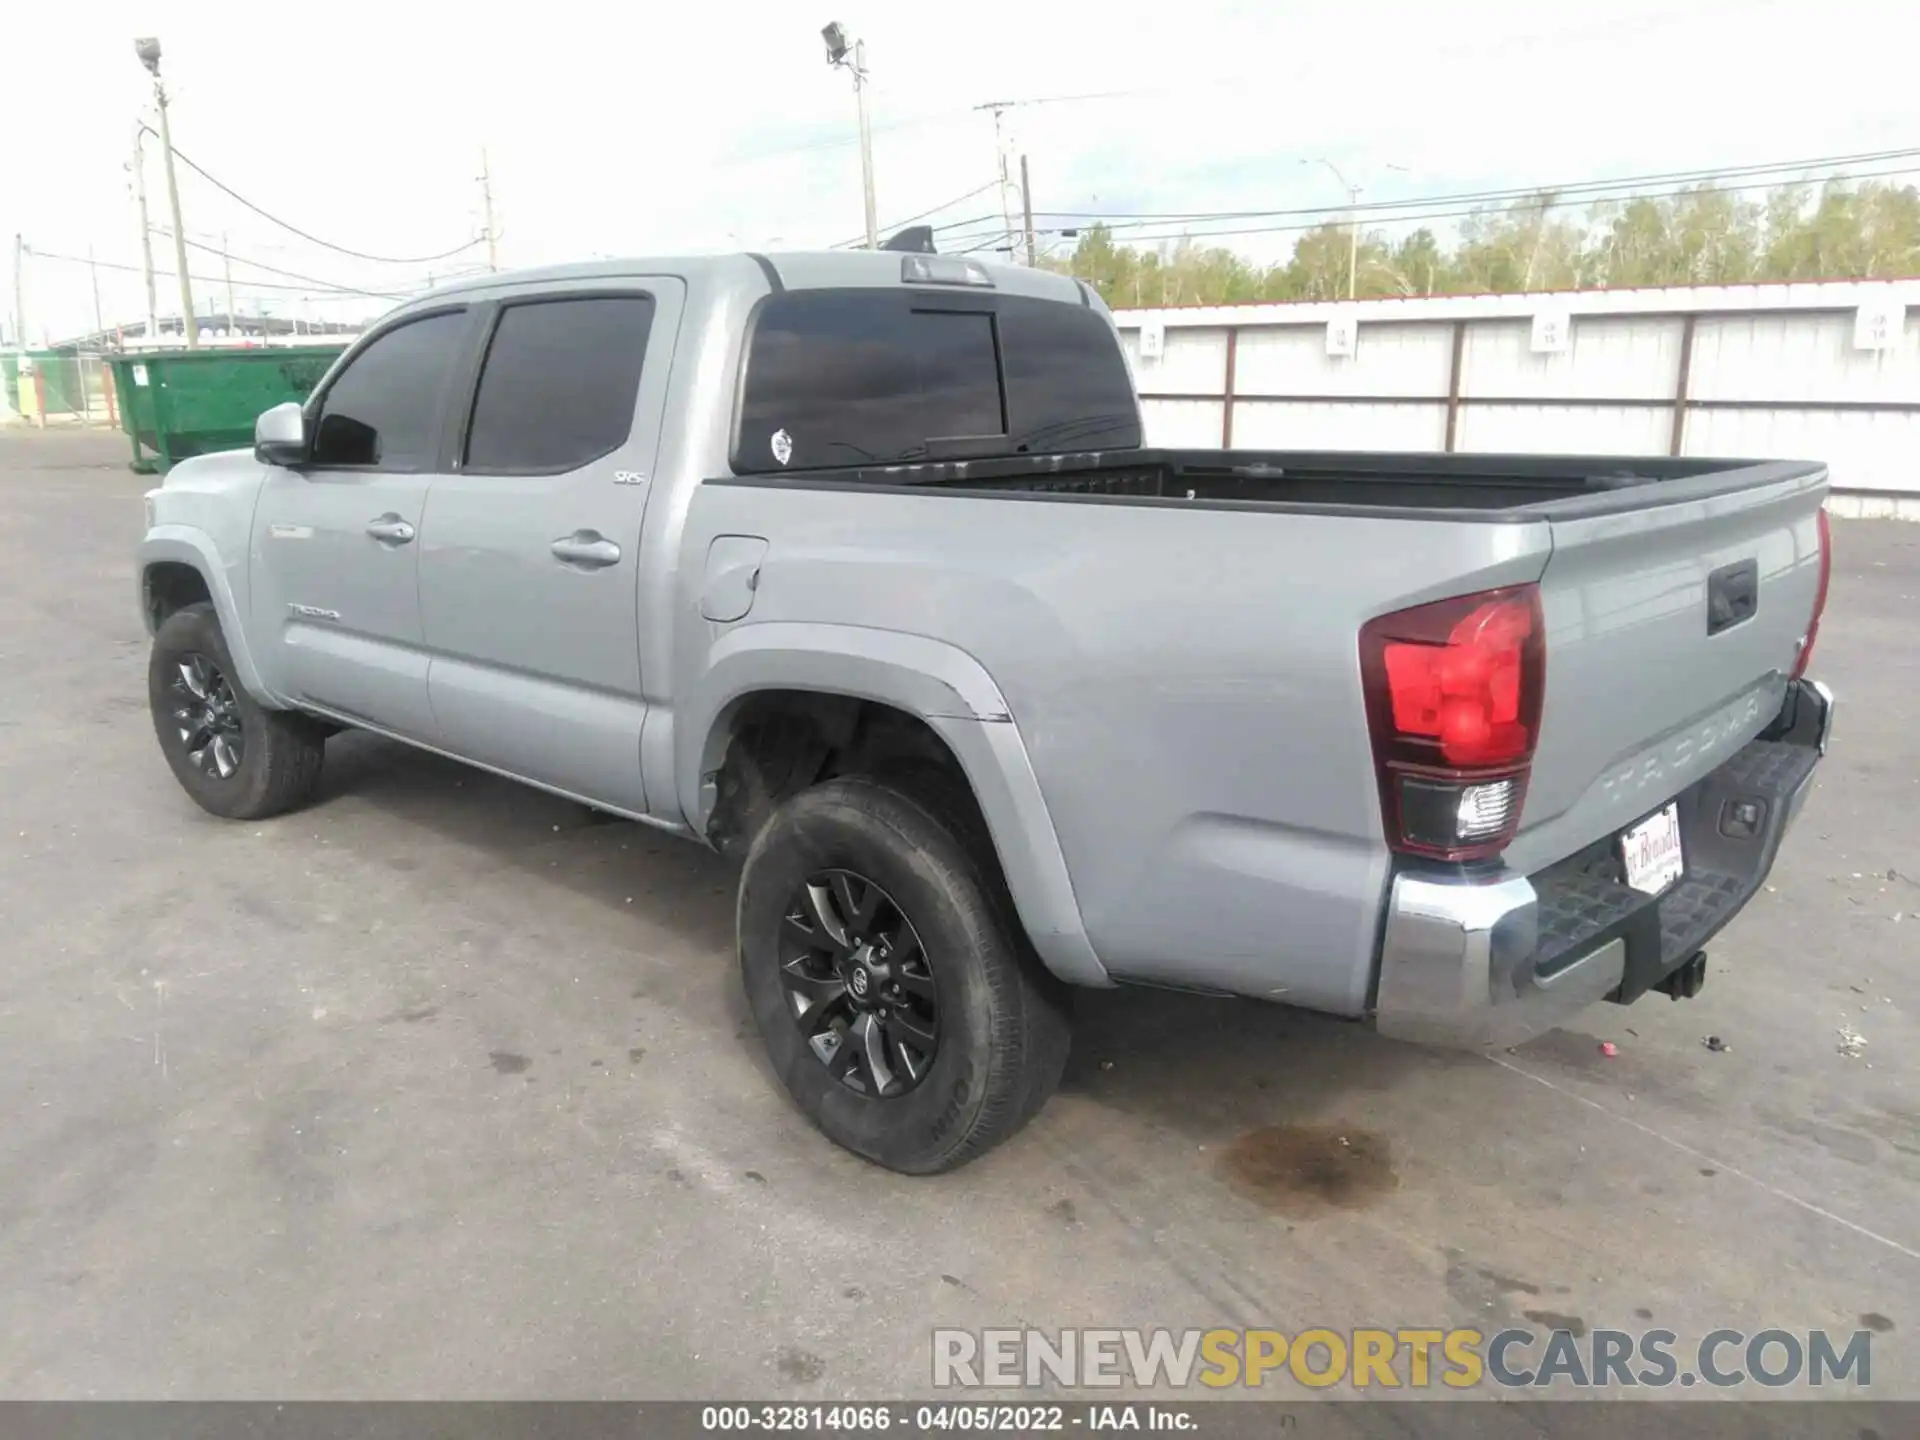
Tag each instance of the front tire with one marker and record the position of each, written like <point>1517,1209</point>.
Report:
<point>234,757</point>
<point>899,1004</point>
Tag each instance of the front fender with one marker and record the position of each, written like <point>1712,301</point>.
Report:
<point>189,546</point>
<point>951,692</point>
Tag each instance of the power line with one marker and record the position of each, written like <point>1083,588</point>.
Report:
<point>1573,188</point>
<point>998,240</point>
<point>233,194</point>
<point>912,122</point>
<point>1548,203</point>
<point>898,224</point>
<point>938,117</point>
<point>1266,79</point>
<point>1079,99</point>
<point>200,279</point>
<point>288,274</point>
<point>971,220</point>
<point>1405,210</point>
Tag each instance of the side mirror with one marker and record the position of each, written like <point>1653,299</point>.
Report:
<point>280,435</point>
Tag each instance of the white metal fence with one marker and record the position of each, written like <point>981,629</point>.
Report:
<point>1827,372</point>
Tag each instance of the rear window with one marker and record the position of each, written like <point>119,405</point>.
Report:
<point>863,377</point>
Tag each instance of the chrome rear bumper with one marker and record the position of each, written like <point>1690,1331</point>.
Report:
<point>1464,962</point>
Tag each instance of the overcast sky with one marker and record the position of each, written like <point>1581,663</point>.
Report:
<point>637,129</point>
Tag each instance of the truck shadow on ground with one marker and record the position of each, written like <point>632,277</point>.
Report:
<point>1209,1069</point>
<point>688,888</point>
<point>1221,1064</point>
<point>1278,1103</point>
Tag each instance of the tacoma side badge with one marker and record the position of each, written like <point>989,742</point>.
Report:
<point>782,446</point>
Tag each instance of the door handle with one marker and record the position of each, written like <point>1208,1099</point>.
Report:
<point>390,530</point>
<point>588,549</point>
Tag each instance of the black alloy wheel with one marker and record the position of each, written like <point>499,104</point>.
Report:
<point>900,1003</point>
<point>206,717</point>
<point>234,757</point>
<point>859,984</point>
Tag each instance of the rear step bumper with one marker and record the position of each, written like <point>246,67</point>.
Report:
<point>1491,961</point>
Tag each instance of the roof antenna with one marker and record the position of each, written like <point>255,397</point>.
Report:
<point>914,240</point>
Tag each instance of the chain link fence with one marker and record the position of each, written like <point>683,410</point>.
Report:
<point>58,388</point>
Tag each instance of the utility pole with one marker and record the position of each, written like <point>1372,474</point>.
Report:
<point>99,319</point>
<point>851,56</point>
<point>1003,143</point>
<point>191,320</point>
<point>1026,207</point>
<point>1353,241</point>
<point>486,210</point>
<point>226,259</point>
<point>866,143</point>
<point>20,292</point>
<point>1000,158</point>
<point>148,49</point>
<point>146,230</point>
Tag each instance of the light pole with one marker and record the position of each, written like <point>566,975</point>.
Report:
<point>1353,222</point>
<point>852,57</point>
<point>1353,226</point>
<point>148,49</point>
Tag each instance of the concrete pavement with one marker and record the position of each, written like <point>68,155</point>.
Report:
<point>445,1087</point>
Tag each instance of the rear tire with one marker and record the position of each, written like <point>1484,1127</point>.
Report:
<point>233,756</point>
<point>849,876</point>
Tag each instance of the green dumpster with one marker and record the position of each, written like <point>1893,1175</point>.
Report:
<point>175,404</point>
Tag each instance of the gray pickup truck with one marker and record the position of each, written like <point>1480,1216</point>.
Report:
<point>854,567</point>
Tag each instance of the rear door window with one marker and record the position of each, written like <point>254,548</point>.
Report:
<point>846,378</point>
<point>559,384</point>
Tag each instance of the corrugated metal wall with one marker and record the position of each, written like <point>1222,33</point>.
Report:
<point>1768,371</point>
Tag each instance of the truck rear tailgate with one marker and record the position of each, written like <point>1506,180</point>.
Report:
<point>1671,632</point>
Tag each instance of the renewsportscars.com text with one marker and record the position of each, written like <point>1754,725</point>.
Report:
<point>1403,1358</point>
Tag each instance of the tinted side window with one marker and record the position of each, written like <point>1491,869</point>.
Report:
<point>1067,384</point>
<point>385,409</point>
<point>559,383</point>
<point>853,377</point>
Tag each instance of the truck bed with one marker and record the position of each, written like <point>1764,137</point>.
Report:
<point>1432,486</point>
<point>1176,633</point>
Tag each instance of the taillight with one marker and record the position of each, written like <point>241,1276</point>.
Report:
<point>1453,694</point>
<point>1819,595</point>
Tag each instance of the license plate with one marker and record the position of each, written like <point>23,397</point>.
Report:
<point>1651,850</point>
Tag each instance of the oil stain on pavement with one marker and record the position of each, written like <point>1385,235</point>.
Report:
<point>1308,1169</point>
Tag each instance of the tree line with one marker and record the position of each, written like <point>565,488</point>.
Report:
<point>1701,236</point>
